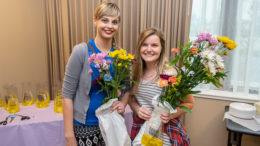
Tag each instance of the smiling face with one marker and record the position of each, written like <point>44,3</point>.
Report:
<point>107,26</point>
<point>150,50</point>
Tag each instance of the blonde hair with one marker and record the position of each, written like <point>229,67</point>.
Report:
<point>107,9</point>
<point>139,66</point>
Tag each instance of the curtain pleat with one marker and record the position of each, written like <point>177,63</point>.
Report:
<point>69,22</point>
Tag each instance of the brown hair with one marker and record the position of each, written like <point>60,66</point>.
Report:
<point>139,66</point>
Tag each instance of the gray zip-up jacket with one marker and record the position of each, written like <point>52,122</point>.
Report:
<point>77,81</point>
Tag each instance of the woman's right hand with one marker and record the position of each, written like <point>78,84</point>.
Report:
<point>71,140</point>
<point>144,113</point>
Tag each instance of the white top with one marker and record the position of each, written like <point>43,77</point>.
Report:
<point>146,91</point>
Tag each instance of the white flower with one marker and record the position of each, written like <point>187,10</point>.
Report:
<point>105,66</point>
<point>208,54</point>
<point>170,71</point>
<point>212,67</point>
<point>220,62</point>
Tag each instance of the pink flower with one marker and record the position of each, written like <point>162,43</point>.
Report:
<point>99,70</point>
<point>108,61</point>
<point>97,66</point>
<point>90,71</point>
<point>213,41</point>
<point>91,58</point>
<point>100,58</point>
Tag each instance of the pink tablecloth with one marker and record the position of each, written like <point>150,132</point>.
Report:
<point>45,128</point>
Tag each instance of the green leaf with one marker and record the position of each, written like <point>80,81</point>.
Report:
<point>122,87</point>
<point>185,109</point>
<point>175,60</point>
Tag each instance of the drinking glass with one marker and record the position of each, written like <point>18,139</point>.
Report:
<point>13,104</point>
<point>27,98</point>
<point>27,95</point>
<point>58,102</point>
<point>1,101</point>
<point>41,100</point>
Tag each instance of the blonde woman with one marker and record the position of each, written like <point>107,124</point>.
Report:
<point>80,89</point>
<point>151,59</point>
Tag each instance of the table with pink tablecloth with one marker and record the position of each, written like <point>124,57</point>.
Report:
<point>44,128</point>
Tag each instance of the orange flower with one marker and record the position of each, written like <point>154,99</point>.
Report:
<point>163,83</point>
<point>175,50</point>
<point>172,80</point>
<point>193,50</point>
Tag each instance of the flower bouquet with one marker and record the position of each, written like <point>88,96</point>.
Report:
<point>199,62</point>
<point>112,125</point>
<point>111,83</point>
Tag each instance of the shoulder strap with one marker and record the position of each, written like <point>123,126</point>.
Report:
<point>91,48</point>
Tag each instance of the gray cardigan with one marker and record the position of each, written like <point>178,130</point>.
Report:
<point>77,81</point>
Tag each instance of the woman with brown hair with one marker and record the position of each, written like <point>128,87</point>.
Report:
<point>151,60</point>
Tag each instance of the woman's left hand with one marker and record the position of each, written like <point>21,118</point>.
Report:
<point>119,106</point>
<point>165,117</point>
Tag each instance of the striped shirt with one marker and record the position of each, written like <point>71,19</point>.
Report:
<point>147,90</point>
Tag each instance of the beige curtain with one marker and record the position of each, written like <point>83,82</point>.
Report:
<point>69,22</point>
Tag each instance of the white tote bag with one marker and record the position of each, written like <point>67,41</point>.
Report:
<point>153,126</point>
<point>112,126</point>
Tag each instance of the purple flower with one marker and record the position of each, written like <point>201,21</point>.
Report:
<point>166,77</point>
<point>204,36</point>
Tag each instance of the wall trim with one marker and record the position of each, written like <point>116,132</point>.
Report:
<point>227,96</point>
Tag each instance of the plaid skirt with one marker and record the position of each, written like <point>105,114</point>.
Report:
<point>88,136</point>
<point>174,129</point>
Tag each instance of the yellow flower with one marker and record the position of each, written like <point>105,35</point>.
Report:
<point>225,39</point>
<point>219,53</point>
<point>112,54</point>
<point>119,64</point>
<point>218,38</point>
<point>231,45</point>
<point>122,56</point>
<point>126,66</point>
<point>178,80</point>
<point>130,56</point>
<point>226,53</point>
<point>122,51</point>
